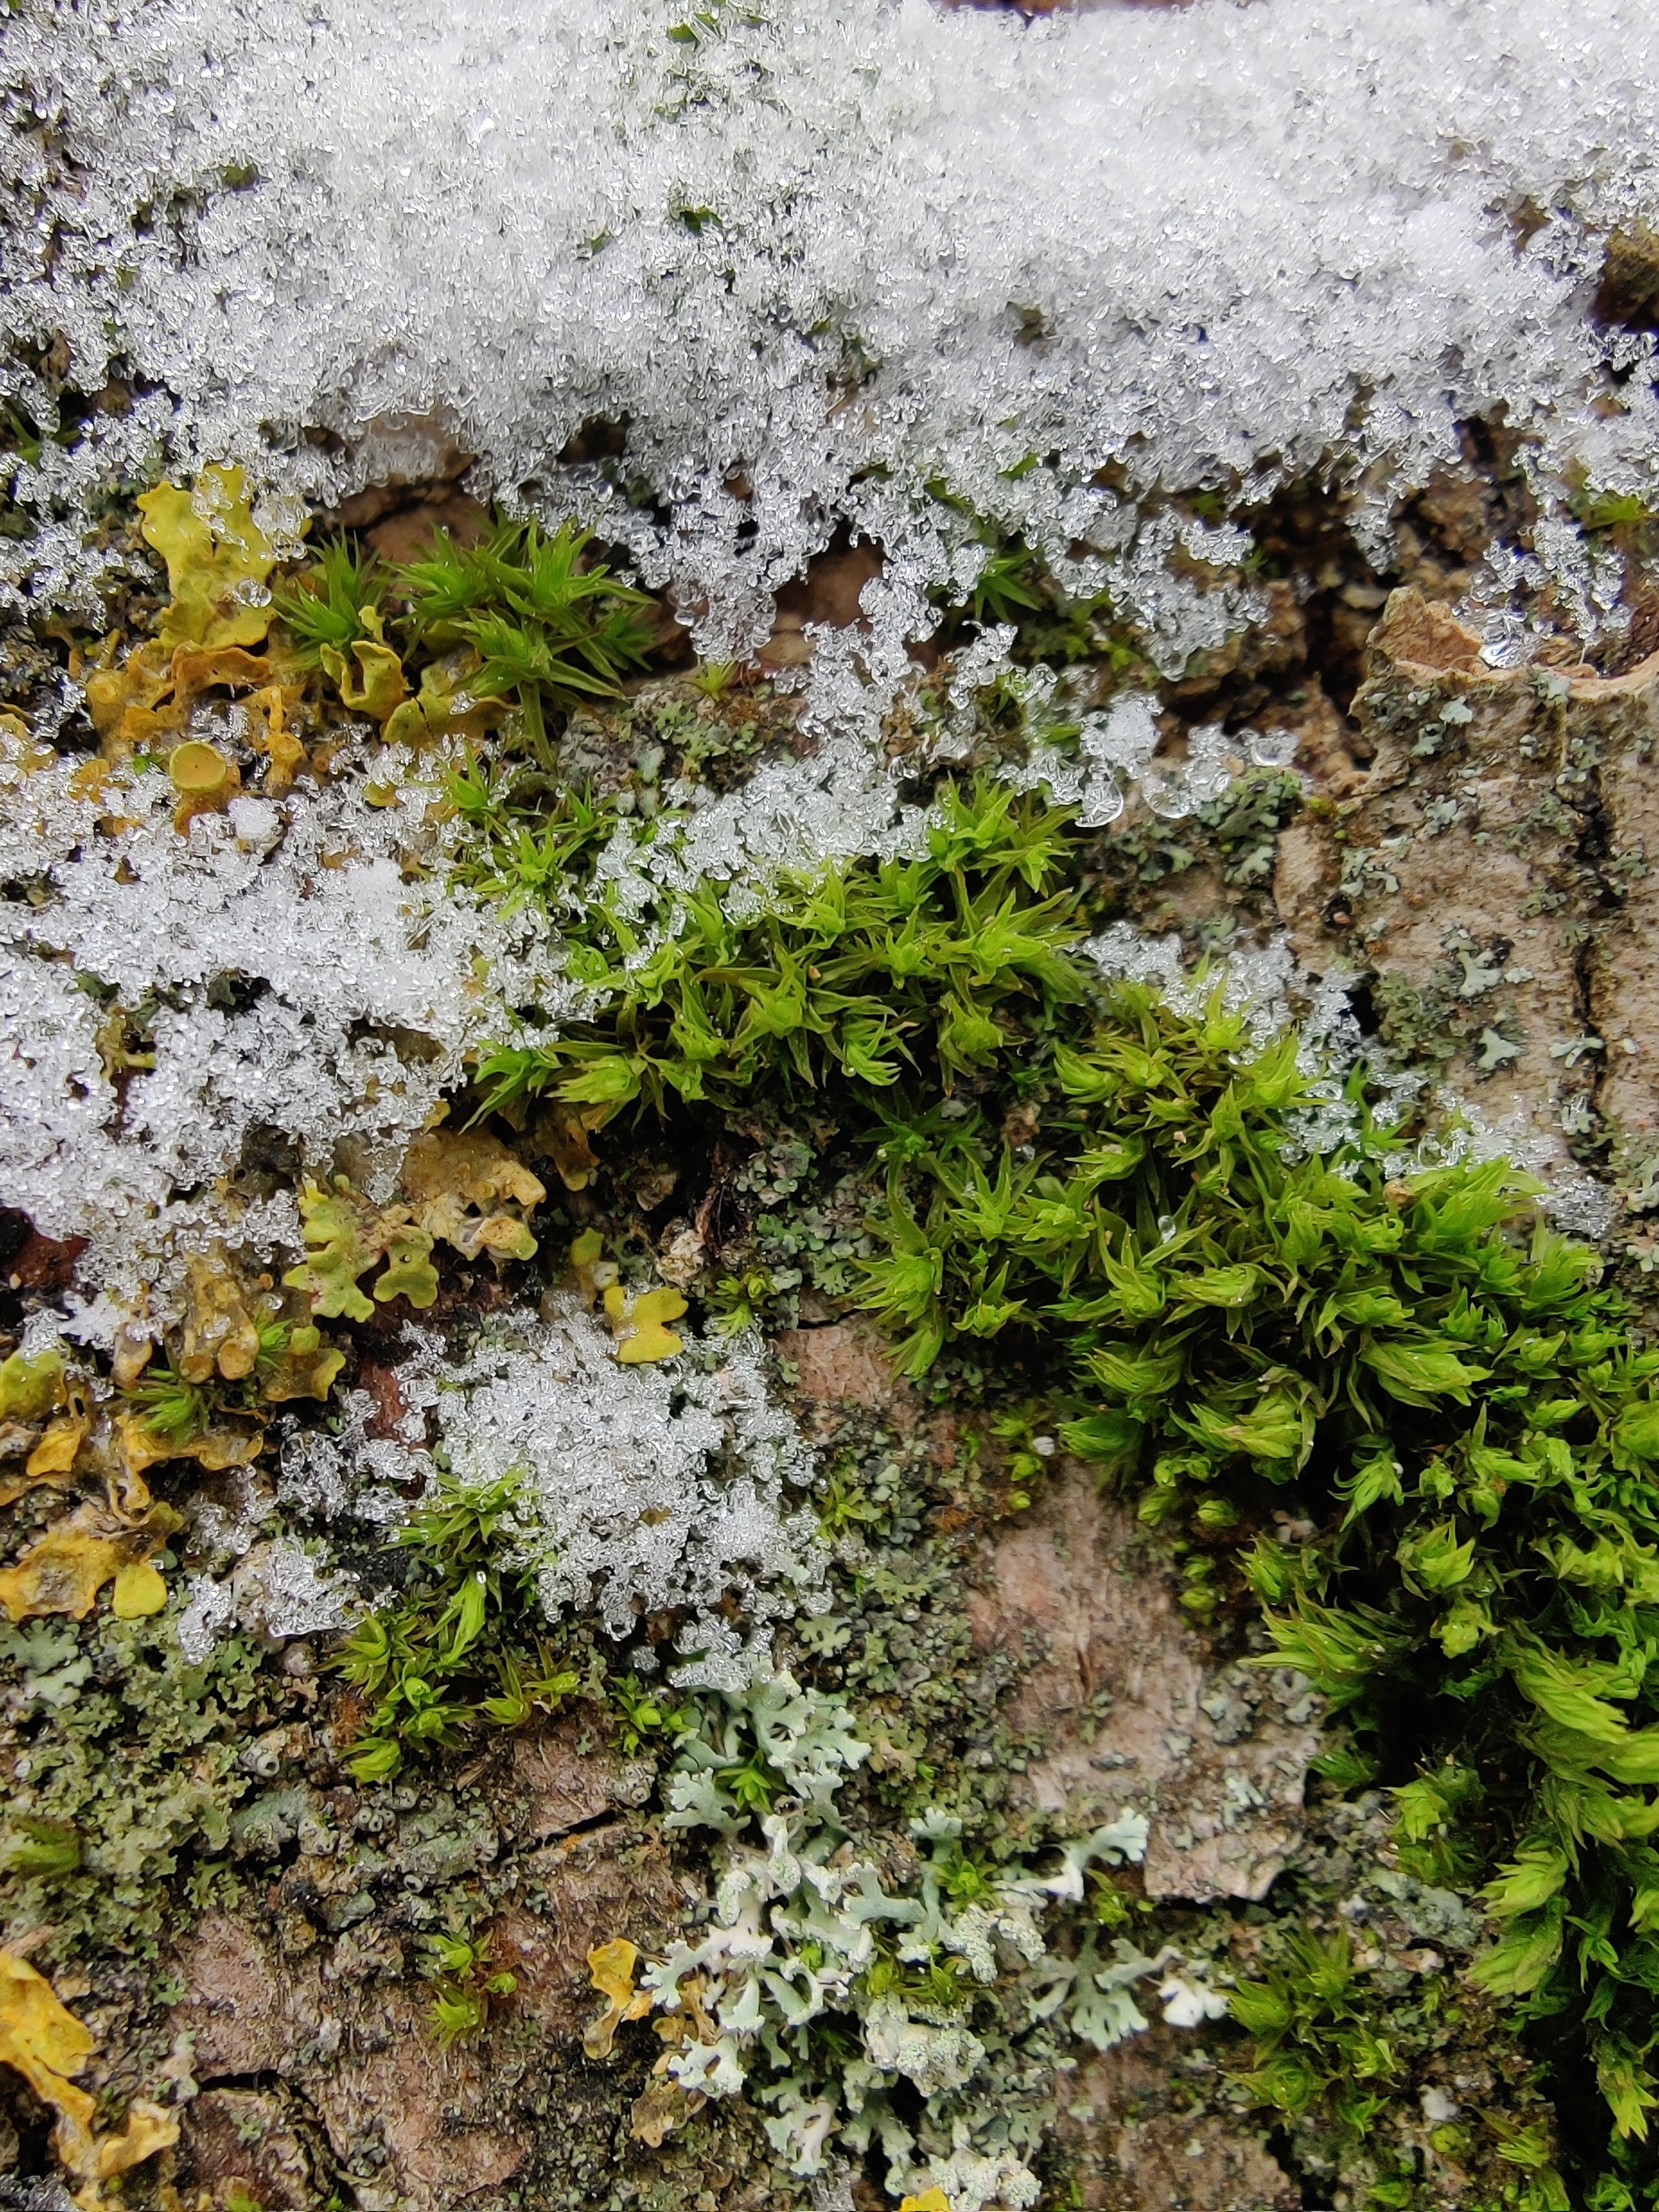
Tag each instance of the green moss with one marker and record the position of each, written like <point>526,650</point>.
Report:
<point>459,1643</point>
<point>1012,585</point>
<point>1410,1364</point>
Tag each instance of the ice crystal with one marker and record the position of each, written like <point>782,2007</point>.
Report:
<point>643,1488</point>
<point>278,1592</point>
<point>839,804</point>
<point>293,971</point>
<point>821,259</point>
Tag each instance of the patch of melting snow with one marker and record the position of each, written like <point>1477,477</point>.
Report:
<point>643,1487</point>
<point>822,259</point>
<point>293,974</point>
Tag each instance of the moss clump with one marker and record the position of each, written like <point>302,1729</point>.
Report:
<point>1244,1298</point>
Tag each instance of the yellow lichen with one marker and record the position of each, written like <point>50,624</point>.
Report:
<point>931,2200</point>
<point>444,706</point>
<point>31,1384</point>
<point>663,2106</point>
<point>63,1571</point>
<point>459,1184</point>
<point>55,1452</point>
<point>410,1272</point>
<point>666,2102</point>
<point>218,1333</point>
<point>286,753</point>
<point>611,1969</point>
<point>222,1444</point>
<point>639,1323</point>
<point>114,1038</point>
<point>561,1134</point>
<point>19,1486</point>
<point>119,699</point>
<point>133,1346</point>
<point>341,1242</point>
<point>218,560</point>
<point>203,779</point>
<point>32,1388</point>
<point>593,1273</point>
<point>139,1591</point>
<point>464,1188</point>
<point>44,2042</point>
<point>307,1369</point>
<point>150,699</point>
<point>376,686</point>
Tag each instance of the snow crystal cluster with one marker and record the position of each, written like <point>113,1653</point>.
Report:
<point>293,978</point>
<point>277,1591</point>
<point>839,804</point>
<point>828,262</point>
<point>639,1489</point>
<point>642,1488</point>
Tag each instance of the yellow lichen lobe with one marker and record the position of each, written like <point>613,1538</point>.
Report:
<point>203,778</point>
<point>610,1968</point>
<point>139,1591</point>
<point>219,1334</point>
<point>639,1324</point>
<point>55,1452</point>
<point>31,1384</point>
<point>218,560</point>
<point>44,2042</point>
<point>63,1571</point>
<point>376,685</point>
<point>459,1184</point>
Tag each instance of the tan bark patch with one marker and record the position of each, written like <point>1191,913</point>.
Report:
<point>1133,1709</point>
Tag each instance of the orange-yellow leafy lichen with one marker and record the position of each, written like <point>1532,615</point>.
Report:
<point>341,1242</point>
<point>611,1969</point>
<point>63,1571</point>
<point>662,2107</point>
<point>376,685</point>
<point>639,1323</point>
<point>218,1333</point>
<point>41,2040</point>
<point>137,687</point>
<point>275,740</point>
<point>444,706</point>
<point>203,778</point>
<point>55,1452</point>
<point>459,1183</point>
<point>218,560</point>
<point>133,1346</point>
<point>222,1445</point>
<point>150,699</point>
<point>464,1188</point>
<point>139,1590</point>
<point>19,1486</point>
<point>307,1369</point>
<point>409,1271</point>
<point>560,1133</point>
<point>31,1387</point>
<point>31,1384</point>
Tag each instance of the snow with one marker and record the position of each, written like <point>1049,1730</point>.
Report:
<point>640,1488</point>
<point>357,992</point>
<point>848,252</point>
<point>880,268</point>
